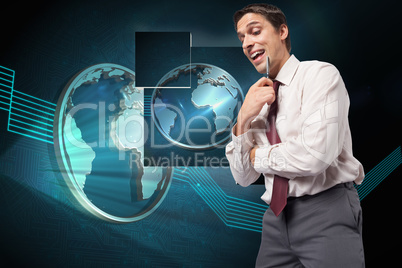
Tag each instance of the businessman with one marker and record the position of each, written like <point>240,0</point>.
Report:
<point>293,128</point>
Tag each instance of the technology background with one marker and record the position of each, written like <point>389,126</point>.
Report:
<point>47,43</point>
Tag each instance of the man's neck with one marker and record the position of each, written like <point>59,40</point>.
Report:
<point>274,70</point>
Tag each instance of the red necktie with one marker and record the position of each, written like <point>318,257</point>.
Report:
<point>280,187</point>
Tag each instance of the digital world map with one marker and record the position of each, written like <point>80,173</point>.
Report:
<point>209,106</point>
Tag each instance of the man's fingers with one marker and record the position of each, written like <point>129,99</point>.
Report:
<point>263,81</point>
<point>266,90</point>
<point>271,99</point>
<point>267,95</point>
<point>260,93</point>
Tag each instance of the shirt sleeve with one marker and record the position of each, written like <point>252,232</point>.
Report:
<point>238,155</point>
<point>324,111</point>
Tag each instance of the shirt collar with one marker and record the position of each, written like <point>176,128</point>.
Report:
<point>288,70</point>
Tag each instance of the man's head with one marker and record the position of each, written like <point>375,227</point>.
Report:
<point>263,31</point>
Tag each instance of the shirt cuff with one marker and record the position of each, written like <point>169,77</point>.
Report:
<point>244,142</point>
<point>261,160</point>
<point>269,160</point>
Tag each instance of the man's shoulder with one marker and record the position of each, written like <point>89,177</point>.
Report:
<point>315,64</point>
<point>315,67</point>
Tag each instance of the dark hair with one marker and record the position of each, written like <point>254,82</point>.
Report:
<point>272,13</point>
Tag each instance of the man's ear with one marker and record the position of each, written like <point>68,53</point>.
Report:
<point>283,31</point>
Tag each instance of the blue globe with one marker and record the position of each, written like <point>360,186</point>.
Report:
<point>200,116</point>
<point>99,145</point>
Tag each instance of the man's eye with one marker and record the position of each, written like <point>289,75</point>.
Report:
<point>256,32</point>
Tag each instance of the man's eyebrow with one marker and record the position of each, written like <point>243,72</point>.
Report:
<point>251,23</point>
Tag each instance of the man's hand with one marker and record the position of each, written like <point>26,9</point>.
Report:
<point>260,93</point>
<point>252,154</point>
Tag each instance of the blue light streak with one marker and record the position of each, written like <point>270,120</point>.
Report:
<point>27,115</point>
<point>233,212</point>
<point>375,176</point>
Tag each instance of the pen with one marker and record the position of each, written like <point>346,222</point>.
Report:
<point>267,67</point>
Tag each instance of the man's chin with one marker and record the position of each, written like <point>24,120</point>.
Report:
<point>259,67</point>
<point>260,70</point>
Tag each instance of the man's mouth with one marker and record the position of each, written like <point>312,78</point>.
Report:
<point>257,55</point>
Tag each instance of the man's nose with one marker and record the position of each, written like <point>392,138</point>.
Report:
<point>247,42</point>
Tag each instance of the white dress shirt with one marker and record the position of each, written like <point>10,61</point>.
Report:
<point>315,152</point>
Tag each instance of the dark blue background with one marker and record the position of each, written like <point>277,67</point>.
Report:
<point>46,43</point>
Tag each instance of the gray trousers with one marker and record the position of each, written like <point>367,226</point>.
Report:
<point>317,231</point>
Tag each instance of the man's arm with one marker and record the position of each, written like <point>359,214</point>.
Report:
<point>323,122</point>
<point>238,155</point>
<point>238,150</point>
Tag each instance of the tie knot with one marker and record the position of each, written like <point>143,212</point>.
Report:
<point>276,86</point>
<point>274,106</point>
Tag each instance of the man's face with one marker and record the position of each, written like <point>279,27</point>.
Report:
<point>259,40</point>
